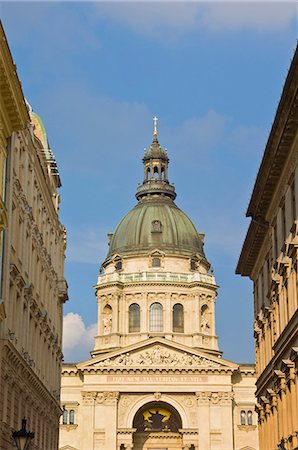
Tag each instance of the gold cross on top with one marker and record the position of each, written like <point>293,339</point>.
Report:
<point>155,119</point>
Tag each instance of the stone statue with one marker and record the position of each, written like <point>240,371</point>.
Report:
<point>107,323</point>
<point>205,327</point>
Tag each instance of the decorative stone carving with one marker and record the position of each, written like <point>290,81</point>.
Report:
<point>126,400</point>
<point>158,356</point>
<point>215,398</point>
<point>203,398</point>
<point>188,401</point>
<point>88,398</point>
<point>108,398</point>
<point>107,324</point>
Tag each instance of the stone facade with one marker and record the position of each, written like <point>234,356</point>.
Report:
<point>156,379</point>
<point>13,117</point>
<point>269,258</point>
<point>33,289</point>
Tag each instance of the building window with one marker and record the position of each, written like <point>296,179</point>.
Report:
<point>156,226</point>
<point>193,265</point>
<point>178,319</point>
<point>155,262</point>
<point>65,416</point>
<point>243,417</point>
<point>134,318</point>
<point>71,417</point>
<point>118,265</point>
<point>293,201</point>
<point>249,418</point>
<point>156,317</point>
<point>275,241</point>
<point>283,221</point>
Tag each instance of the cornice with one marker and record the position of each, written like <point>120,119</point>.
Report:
<point>10,89</point>
<point>279,148</point>
<point>136,370</point>
<point>123,285</point>
<point>283,131</point>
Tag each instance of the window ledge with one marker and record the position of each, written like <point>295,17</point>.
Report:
<point>68,427</point>
<point>247,428</point>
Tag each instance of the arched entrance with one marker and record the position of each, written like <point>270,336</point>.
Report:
<point>157,427</point>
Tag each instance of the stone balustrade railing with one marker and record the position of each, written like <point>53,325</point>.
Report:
<point>156,276</point>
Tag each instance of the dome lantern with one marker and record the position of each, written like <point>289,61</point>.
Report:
<point>155,162</point>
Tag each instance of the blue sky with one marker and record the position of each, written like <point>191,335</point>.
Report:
<point>98,72</point>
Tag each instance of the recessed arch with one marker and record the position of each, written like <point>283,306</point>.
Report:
<point>157,416</point>
<point>151,398</point>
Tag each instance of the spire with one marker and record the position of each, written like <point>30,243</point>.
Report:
<point>155,162</point>
<point>155,134</point>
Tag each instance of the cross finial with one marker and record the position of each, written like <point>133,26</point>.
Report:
<point>155,119</point>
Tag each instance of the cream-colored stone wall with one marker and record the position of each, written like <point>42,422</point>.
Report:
<point>196,297</point>
<point>33,288</point>
<point>13,117</point>
<point>144,264</point>
<point>209,406</point>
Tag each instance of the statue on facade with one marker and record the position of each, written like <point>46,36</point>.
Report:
<point>107,323</point>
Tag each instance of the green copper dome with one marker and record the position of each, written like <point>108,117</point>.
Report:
<point>155,222</point>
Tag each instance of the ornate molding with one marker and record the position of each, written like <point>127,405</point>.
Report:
<point>98,398</point>
<point>214,398</point>
<point>88,398</point>
<point>108,398</point>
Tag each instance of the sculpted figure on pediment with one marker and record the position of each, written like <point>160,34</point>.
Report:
<point>158,356</point>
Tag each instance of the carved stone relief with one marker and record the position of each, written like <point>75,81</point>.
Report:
<point>214,398</point>
<point>158,356</point>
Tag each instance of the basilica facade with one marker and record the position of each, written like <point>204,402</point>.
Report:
<point>156,378</point>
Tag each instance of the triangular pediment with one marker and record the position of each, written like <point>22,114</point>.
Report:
<point>67,447</point>
<point>160,353</point>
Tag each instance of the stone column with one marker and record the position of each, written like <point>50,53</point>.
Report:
<point>203,399</point>
<point>106,417</point>
<point>225,402</point>
<point>143,312</point>
<point>88,404</point>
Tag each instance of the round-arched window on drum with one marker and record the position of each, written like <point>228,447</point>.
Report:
<point>134,318</point>
<point>156,318</point>
<point>178,318</point>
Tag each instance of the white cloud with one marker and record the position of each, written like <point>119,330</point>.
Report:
<point>166,20</point>
<point>78,340</point>
<point>261,16</point>
<point>154,19</point>
<point>86,245</point>
<point>248,139</point>
<point>198,136</point>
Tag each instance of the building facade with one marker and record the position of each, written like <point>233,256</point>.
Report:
<point>156,379</point>
<point>13,117</point>
<point>33,285</point>
<point>269,258</point>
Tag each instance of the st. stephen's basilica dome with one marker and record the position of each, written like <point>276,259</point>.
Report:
<point>156,221</point>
